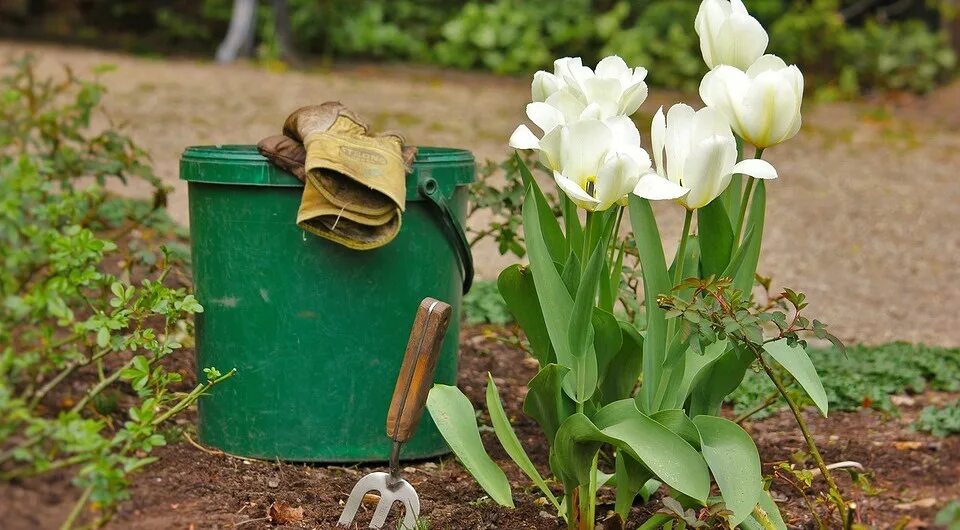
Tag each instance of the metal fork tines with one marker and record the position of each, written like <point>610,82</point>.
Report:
<point>391,490</point>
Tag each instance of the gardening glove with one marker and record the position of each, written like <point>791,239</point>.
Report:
<point>356,181</point>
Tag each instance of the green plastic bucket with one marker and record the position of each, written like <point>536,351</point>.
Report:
<point>316,331</point>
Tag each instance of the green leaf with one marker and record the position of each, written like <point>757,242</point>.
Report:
<point>518,291</point>
<point>457,422</point>
<point>718,380</point>
<point>734,462</point>
<point>677,421</point>
<point>696,365</point>
<point>631,477</point>
<point>656,282</point>
<point>767,513</point>
<point>738,258</point>
<point>619,375</point>
<point>666,454</point>
<point>550,227</point>
<point>716,238</point>
<point>581,328</point>
<point>570,274</point>
<point>607,339</point>
<point>546,401</point>
<point>571,221</point>
<point>743,280</point>
<point>510,442</point>
<point>795,360</point>
<point>556,304</point>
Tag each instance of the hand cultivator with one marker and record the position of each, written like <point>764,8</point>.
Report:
<point>406,408</point>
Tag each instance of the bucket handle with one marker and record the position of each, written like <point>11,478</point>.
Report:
<point>429,189</point>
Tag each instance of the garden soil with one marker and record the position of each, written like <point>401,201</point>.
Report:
<point>910,475</point>
<point>863,218</point>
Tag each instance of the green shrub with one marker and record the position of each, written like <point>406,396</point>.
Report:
<point>898,56</point>
<point>83,312</point>
<point>871,49</point>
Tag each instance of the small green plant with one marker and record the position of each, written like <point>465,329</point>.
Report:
<point>484,305</point>
<point>86,320</point>
<point>865,376</point>
<point>940,421</point>
<point>949,516</point>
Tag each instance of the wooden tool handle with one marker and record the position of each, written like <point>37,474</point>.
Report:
<point>416,372</point>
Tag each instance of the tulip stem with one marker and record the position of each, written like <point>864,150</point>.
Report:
<point>743,205</point>
<point>682,250</point>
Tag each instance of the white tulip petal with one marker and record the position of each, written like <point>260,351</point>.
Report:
<point>616,178</point>
<point>678,140</point>
<point>656,188</point>
<point>568,102</point>
<point>723,88</point>
<point>658,135</point>
<point>584,145</point>
<point>707,170</point>
<point>708,122</point>
<point>545,116</point>
<point>765,63</point>
<point>575,192</point>
<point>632,98</point>
<point>523,138</point>
<point>613,67</point>
<point>742,41</point>
<point>605,93</point>
<point>738,7</point>
<point>625,132</point>
<point>550,148</point>
<point>544,85</point>
<point>756,168</point>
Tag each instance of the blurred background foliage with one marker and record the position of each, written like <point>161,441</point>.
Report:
<point>845,47</point>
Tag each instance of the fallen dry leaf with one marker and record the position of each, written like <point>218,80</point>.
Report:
<point>929,502</point>
<point>908,446</point>
<point>282,513</point>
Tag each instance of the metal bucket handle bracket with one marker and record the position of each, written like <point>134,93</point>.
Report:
<point>429,189</point>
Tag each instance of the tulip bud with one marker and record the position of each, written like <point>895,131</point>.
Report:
<point>728,34</point>
<point>762,104</point>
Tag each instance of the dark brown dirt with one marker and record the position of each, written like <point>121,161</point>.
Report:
<point>912,474</point>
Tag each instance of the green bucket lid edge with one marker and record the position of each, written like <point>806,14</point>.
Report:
<point>243,165</point>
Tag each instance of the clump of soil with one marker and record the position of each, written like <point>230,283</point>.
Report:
<point>911,475</point>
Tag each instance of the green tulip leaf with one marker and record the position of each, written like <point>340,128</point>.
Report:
<point>549,226</point>
<point>516,287</point>
<point>795,360</point>
<point>457,422</point>
<point>510,442</point>
<point>716,238</point>
<point>656,282</point>
<point>663,452</point>
<point>556,304</point>
<point>677,421</point>
<point>744,278</point>
<point>619,374</point>
<point>631,478</point>
<point>733,459</point>
<point>546,402</point>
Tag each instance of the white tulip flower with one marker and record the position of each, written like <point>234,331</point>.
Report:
<point>728,34</point>
<point>700,153</point>
<point>761,104</point>
<point>575,92</point>
<point>598,163</point>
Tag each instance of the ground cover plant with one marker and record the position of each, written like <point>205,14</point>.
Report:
<point>639,408</point>
<point>84,310</point>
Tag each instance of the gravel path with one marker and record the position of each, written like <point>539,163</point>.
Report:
<point>864,218</point>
